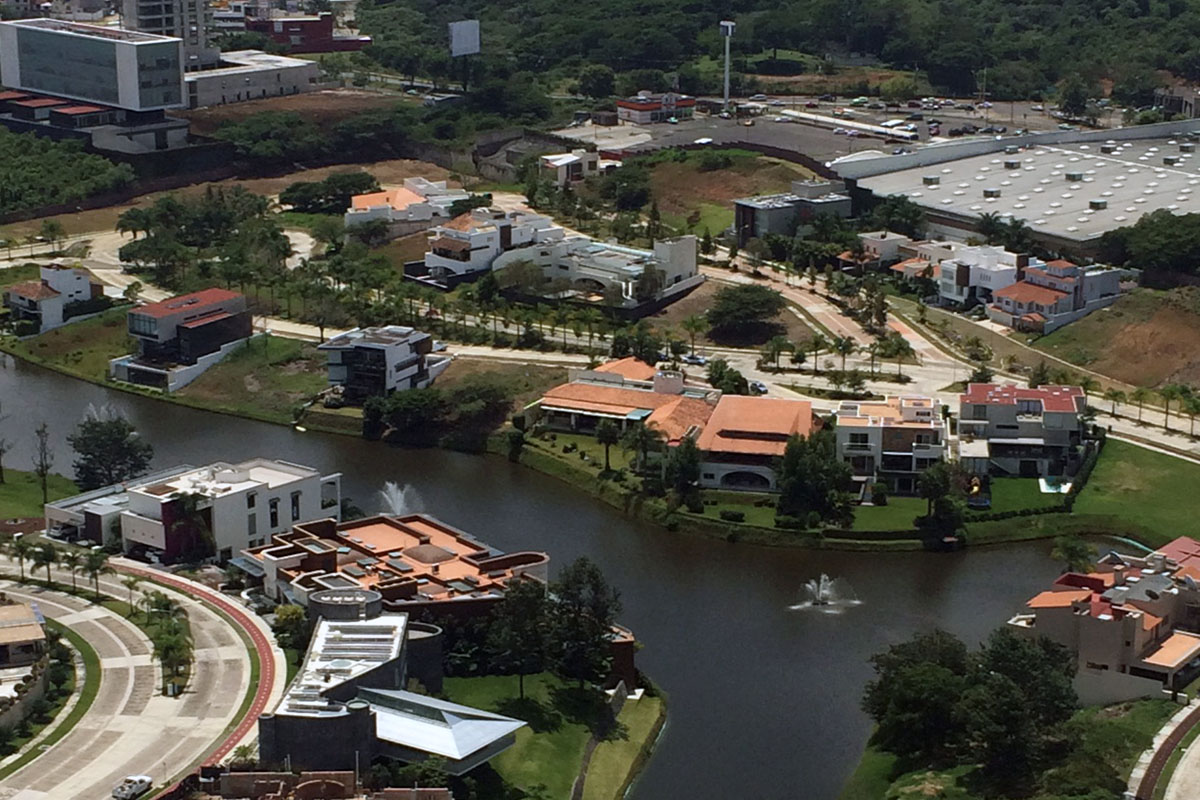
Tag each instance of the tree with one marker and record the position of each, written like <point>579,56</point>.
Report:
<point>5,446</point>
<point>45,556</point>
<point>519,630</point>
<point>20,548</point>
<point>95,564</point>
<point>583,608</point>
<point>1169,394</point>
<point>292,627</point>
<point>607,434</point>
<point>816,344</point>
<point>131,582</point>
<point>693,325</point>
<point>1140,395</point>
<point>744,310</point>
<point>53,232</point>
<point>597,81</point>
<point>775,347</point>
<point>1114,396</point>
<point>1073,96</point>
<point>641,439</point>
<point>71,560</point>
<point>844,346</point>
<point>724,377</point>
<point>108,451</point>
<point>897,347</point>
<point>1075,553</point>
<point>682,470</point>
<point>244,757</point>
<point>813,480</point>
<point>43,459</point>
<point>1039,375</point>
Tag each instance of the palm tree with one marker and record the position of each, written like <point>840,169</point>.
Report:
<point>244,756</point>
<point>1087,383</point>
<point>46,556</point>
<point>816,344</point>
<point>131,582</point>
<point>1190,405</point>
<point>70,560</point>
<point>1169,394</point>
<point>1140,395</point>
<point>607,434</point>
<point>844,346</point>
<point>20,548</point>
<point>873,350</point>
<point>899,349</point>
<point>1114,396</point>
<point>95,564</point>
<point>693,325</point>
<point>776,347</point>
<point>640,438</point>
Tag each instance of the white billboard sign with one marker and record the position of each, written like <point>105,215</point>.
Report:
<point>464,37</point>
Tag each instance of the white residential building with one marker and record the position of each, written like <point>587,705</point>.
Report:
<point>250,75</point>
<point>471,242</point>
<point>564,168</point>
<point>592,267</point>
<point>892,440</point>
<point>376,361</point>
<point>974,274</point>
<point>1009,430</point>
<point>47,301</point>
<point>237,506</point>
<point>417,201</point>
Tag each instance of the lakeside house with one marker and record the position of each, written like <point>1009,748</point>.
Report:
<point>349,701</point>
<point>368,362</point>
<point>891,441</point>
<point>167,515</point>
<point>413,207</point>
<point>742,442</point>
<point>1132,622</point>
<point>59,294</point>
<point>181,337</point>
<point>414,563</point>
<point>1005,429</point>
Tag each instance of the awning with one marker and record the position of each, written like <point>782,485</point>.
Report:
<point>248,565</point>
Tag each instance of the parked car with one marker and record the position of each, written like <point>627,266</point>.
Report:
<point>703,140</point>
<point>913,104</point>
<point>672,120</point>
<point>839,131</point>
<point>748,123</point>
<point>934,121</point>
<point>758,97</point>
<point>859,102</point>
<point>1038,107</point>
<point>439,346</point>
<point>783,119</point>
<point>828,98</point>
<point>985,104</point>
<point>812,104</point>
<point>853,134</point>
<point>725,115</point>
<point>693,358</point>
<point>935,130</point>
<point>132,786</point>
<point>966,107</point>
<point>916,115</point>
<point>876,106</point>
<point>775,102</point>
<point>899,151</point>
<point>758,387</point>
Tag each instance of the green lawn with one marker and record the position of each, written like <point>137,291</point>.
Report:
<point>609,771</point>
<point>21,493</point>
<point>552,754</point>
<point>897,515</point>
<point>1149,493</point>
<point>871,778</point>
<point>82,348</point>
<point>618,458</point>
<point>19,273</point>
<point>267,379</point>
<point>1014,494</point>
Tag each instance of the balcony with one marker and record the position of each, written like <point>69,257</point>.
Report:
<point>859,447</point>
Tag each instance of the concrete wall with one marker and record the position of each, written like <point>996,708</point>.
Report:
<point>1101,687</point>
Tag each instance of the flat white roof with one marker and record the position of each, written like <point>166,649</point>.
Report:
<point>92,31</point>
<point>342,651</point>
<point>1053,187</point>
<point>221,478</point>
<point>430,725</point>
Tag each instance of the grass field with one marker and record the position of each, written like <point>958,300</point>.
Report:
<point>1146,338</point>
<point>21,493</point>
<point>897,515</point>
<point>1014,494</point>
<point>265,379</point>
<point>407,248</point>
<point>526,382</point>
<point>700,300</point>
<point>609,769</point>
<point>19,273</point>
<point>84,348</point>
<point>1145,490</point>
<point>548,751</point>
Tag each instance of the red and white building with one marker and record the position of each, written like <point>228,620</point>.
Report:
<point>48,301</point>
<point>1005,429</point>
<point>1049,296</point>
<point>647,107</point>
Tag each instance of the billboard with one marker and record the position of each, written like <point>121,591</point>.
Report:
<point>464,37</point>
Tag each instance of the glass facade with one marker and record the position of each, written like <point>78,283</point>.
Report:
<point>158,74</point>
<point>74,66</point>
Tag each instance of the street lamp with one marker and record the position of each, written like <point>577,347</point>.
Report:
<point>727,28</point>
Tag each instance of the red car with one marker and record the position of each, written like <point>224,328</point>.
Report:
<point>812,104</point>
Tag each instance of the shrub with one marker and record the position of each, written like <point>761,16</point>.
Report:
<point>788,523</point>
<point>732,516</point>
<point>879,493</point>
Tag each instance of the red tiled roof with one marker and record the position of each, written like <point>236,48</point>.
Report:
<point>1048,276</point>
<point>195,300</point>
<point>1184,550</point>
<point>1060,262</point>
<point>1054,398</point>
<point>12,96</point>
<point>74,110</point>
<point>1023,292</point>
<point>205,319</point>
<point>756,425</point>
<point>629,368</point>
<point>33,290</point>
<point>40,102</point>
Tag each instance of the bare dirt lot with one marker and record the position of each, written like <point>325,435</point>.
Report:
<point>326,107</point>
<point>699,301</point>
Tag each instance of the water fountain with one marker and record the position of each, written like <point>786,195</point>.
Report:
<point>829,595</point>
<point>399,500</point>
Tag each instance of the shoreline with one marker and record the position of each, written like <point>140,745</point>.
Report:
<point>646,509</point>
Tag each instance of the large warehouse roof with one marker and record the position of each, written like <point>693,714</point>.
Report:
<point>1071,191</point>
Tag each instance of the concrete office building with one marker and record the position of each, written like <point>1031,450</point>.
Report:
<point>137,72</point>
<point>787,214</point>
<point>190,21</point>
<point>250,75</point>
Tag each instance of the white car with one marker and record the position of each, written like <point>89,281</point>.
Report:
<point>132,786</point>
<point>703,140</point>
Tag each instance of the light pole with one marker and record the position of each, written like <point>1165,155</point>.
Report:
<point>727,27</point>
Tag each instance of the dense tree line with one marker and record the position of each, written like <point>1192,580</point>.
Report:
<point>36,171</point>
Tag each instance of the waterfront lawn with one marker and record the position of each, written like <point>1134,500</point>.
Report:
<point>611,768</point>
<point>21,493</point>
<point>81,348</point>
<point>897,515</point>
<point>1014,494</point>
<point>872,777</point>
<point>268,378</point>
<point>549,750</point>
<point>585,445</point>
<point>759,508</point>
<point>1148,493</point>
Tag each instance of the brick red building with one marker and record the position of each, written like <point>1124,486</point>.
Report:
<point>306,34</point>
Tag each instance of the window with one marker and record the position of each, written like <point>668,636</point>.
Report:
<point>295,506</point>
<point>252,524</point>
<point>708,476</point>
<point>979,412</point>
<point>250,499</point>
<point>274,506</point>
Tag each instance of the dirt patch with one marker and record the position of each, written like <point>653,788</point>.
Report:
<point>816,83</point>
<point>325,107</point>
<point>1165,348</point>
<point>252,385</point>
<point>680,188</point>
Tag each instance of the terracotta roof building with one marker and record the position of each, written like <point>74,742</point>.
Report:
<point>1010,430</point>
<point>413,207</point>
<point>891,441</point>
<point>1131,623</point>
<point>50,302</point>
<point>746,435</point>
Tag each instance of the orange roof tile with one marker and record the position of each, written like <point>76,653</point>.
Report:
<point>756,425</point>
<point>611,400</point>
<point>32,290</point>
<point>629,368</point>
<point>1149,621</point>
<point>396,198</point>
<point>1176,649</point>
<point>1061,599</point>
<point>677,418</point>
<point>1030,293</point>
<point>466,222</point>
